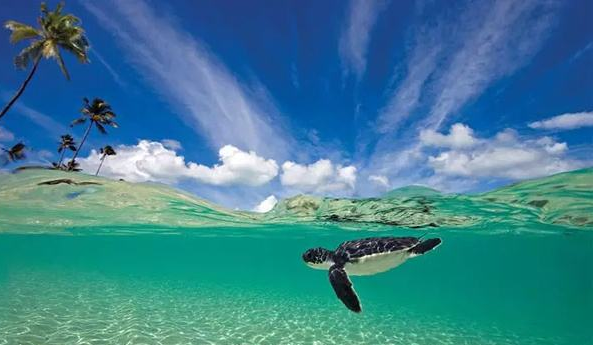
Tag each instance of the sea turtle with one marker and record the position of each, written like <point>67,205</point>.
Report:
<point>364,257</point>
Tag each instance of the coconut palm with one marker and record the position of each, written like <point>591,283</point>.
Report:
<point>15,153</point>
<point>56,32</point>
<point>105,151</point>
<point>66,142</point>
<point>72,166</point>
<point>97,113</point>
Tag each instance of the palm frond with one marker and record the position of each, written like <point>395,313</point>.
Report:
<point>21,31</point>
<point>101,128</point>
<point>28,54</point>
<point>56,31</point>
<point>78,121</point>
<point>63,68</point>
<point>44,8</point>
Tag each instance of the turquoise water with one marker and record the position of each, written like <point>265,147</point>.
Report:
<point>491,283</point>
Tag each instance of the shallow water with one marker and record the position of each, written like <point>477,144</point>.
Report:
<point>226,286</point>
<point>120,263</point>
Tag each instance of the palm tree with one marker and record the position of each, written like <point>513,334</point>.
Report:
<point>97,112</point>
<point>105,151</point>
<point>66,142</point>
<point>56,31</point>
<point>15,153</point>
<point>73,166</point>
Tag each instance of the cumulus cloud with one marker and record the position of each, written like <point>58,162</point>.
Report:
<point>506,155</point>
<point>6,135</point>
<point>237,167</point>
<point>379,180</point>
<point>319,177</point>
<point>460,136</point>
<point>565,121</point>
<point>266,204</point>
<point>152,161</point>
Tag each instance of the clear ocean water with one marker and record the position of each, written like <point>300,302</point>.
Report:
<point>241,280</point>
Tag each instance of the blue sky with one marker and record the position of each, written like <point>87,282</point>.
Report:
<point>236,101</point>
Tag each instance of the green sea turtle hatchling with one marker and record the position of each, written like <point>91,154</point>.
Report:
<point>364,257</point>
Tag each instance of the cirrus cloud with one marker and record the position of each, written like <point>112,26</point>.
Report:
<point>6,135</point>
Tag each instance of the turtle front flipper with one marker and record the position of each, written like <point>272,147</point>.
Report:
<point>343,288</point>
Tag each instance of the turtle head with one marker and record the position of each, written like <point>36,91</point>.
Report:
<point>318,258</point>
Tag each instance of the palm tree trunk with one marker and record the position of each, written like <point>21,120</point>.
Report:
<point>101,162</point>
<point>82,140</point>
<point>22,88</point>
<point>61,157</point>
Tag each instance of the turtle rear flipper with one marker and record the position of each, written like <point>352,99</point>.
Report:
<point>343,288</point>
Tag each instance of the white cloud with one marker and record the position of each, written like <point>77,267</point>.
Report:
<point>453,58</point>
<point>354,41</point>
<point>459,136</point>
<point>152,161</point>
<point>172,144</point>
<point>51,126</point>
<point>379,180</point>
<point>237,167</point>
<point>6,135</point>
<point>504,156</point>
<point>115,76</point>
<point>266,204</point>
<point>500,38</point>
<point>208,97</point>
<point>565,121</point>
<point>319,177</point>
<point>45,154</point>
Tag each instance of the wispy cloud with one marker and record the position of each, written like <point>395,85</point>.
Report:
<point>115,76</point>
<point>6,135</point>
<point>510,33</point>
<point>452,58</point>
<point>199,88</point>
<point>565,121</point>
<point>36,117</point>
<point>51,126</point>
<point>353,45</point>
<point>457,58</point>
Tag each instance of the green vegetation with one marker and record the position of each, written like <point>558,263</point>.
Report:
<point>15,153</point>
<point>66,142</point>
<point>56,32</point>
<point>105,151</point>
<point>98,113</point>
